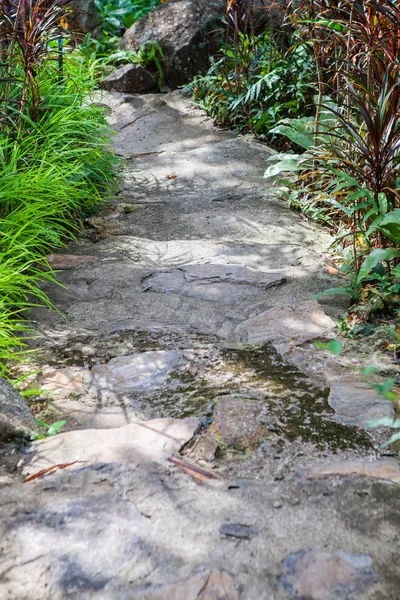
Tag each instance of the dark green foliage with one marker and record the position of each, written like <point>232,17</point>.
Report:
<point>255,84</point>
<point>116,16</point>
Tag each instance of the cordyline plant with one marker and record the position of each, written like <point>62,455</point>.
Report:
<point>28,30</point>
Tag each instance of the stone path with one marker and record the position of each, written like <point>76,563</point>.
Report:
<point>211,450</point>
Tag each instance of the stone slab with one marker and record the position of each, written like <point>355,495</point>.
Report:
<point>135,372</point>
<point>131,444</point>
<point>235,423</point>
<point>65,381</point>
<point>355,403</point>
<point>318,575</point>
<point>226,284</point>
<point>287,326</point>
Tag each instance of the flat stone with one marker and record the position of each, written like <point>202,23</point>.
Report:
<point>226,284</point>
<point>135,372</point>
<point>231,273</point>
<point>287,326</point>
<point>88,415</point>
<point>129,445</point>
<point>235,422</point>
<point>386,469</point>
<point>355,403</point>
<point>316,575</point>
<point>65,381</point>
<point>206,448</point>
<point>130,79</point>
<point>16,419</point>
<point>69,261</point>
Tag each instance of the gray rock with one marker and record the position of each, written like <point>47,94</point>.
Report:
<point>130,79</point>
<point>235,422</point>
<point>316,575</point>
<point>226,284</point>
<point>134,373</point>
<point>129,445</point>
<point>16,419</point>
<point>231,273</point>
<point>206,448</point>
<point>84,18</point>
<point>186,32</point>
<point>287,326</point>
<point>355,403</point>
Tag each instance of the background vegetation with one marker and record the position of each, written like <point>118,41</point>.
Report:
<point>324,87</point>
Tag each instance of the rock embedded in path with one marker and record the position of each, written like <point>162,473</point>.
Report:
<point>186,32</point>
<point>287,326</point>
<point>232,274</point>
<point>130,79</point>
<point>130,445</point>
<point>226,284</point>
<point>65,381</point>
<point>235,423</point>
<point>16,419</point>
<point>136,372</point>
<point>355,403</point>
<point>318,575</point>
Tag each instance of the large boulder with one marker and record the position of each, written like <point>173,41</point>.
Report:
<point>16,419</point>
<point>84,18</point>
<point>188,31</point>
<point>130,79</point>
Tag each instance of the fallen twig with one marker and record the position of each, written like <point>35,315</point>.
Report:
<point>48,470</point>
<point>196,472</point>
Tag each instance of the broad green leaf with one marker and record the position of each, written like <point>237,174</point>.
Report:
<point>394,438</point>
<point>374,258</point>
<point>383,422</point>
<point>290,163</point>
<point>390,225</point>
<point>333,346</point>
<point>300,138</point>
<point>383,203</point>
<point>55,428</point>
<point>365,371</point>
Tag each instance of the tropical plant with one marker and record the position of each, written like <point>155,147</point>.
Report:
<point>255,84</point>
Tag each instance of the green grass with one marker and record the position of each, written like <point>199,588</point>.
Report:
<point>53,172</point>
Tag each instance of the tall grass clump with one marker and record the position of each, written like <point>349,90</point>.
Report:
<point>55,162</point>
